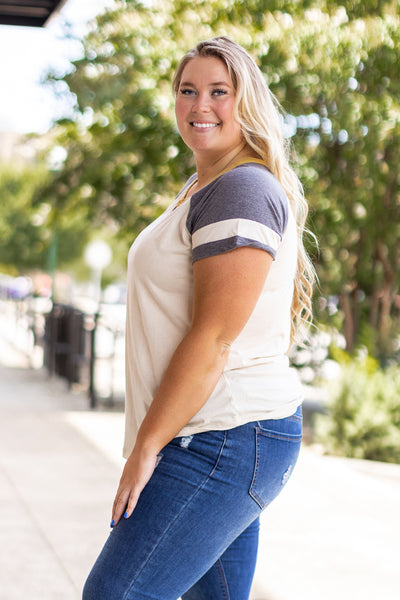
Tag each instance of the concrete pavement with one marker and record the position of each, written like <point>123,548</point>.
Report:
<point>333,533</point>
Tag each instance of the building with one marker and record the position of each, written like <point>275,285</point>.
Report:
<point>28,13</point>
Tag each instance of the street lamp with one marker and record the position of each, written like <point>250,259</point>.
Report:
<point>98,256</point>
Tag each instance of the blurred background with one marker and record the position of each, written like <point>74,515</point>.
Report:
<point>90,155</point>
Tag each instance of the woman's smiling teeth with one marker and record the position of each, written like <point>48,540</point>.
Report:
<point>204,125</point>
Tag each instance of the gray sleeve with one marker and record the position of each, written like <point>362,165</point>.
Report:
<point>244,207</point>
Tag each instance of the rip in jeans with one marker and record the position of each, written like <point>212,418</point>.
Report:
<point>185,441</point>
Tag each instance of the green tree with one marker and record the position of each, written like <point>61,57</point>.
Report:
<point>22,239</point>
<point>27,228</point>
<point>333,66</point>
<point>342,83</point>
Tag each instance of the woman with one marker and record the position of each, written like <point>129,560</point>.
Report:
<point>216,288</point>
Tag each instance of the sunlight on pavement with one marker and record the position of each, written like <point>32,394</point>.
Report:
<point>104,430</point>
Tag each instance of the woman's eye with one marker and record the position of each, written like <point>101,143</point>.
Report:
<point>186,91</point>
<point>219,92</point>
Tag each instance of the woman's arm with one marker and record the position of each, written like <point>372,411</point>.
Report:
<point>226,290</point>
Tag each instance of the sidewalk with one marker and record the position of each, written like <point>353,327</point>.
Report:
<point>333,533</point>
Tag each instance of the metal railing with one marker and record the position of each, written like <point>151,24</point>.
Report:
<point>84,348</point>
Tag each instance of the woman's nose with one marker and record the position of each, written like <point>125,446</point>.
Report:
<point>202,102</point>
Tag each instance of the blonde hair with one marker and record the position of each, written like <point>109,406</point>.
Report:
<point>260,117</point>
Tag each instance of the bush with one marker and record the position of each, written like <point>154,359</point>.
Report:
<point>363,418</point>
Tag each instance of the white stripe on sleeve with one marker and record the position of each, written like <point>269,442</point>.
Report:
<point>245,228</point>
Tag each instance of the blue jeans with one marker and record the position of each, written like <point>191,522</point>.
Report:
<point>194,531</point>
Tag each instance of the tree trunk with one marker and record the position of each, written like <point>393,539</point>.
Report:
<point>387,295</point>
<point>345,303</point>
<point>374,310</point>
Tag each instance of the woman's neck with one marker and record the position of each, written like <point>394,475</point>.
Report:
<point>208,171</point>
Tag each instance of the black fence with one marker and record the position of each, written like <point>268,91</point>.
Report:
<point>85,349</point>
<point>71,351</point>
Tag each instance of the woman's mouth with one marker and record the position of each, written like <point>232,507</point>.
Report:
<point>203,125</point>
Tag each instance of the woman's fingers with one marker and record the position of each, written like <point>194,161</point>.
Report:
<point>124,505</point>
<point>119,506</point>
<point>133,498</point>
<point>135,476</point>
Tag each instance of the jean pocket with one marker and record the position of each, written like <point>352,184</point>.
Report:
<point>277,448</point>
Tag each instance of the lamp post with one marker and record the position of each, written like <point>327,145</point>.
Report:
<point>98,256</point>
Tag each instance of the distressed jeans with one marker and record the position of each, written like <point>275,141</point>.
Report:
<point>194,531</point>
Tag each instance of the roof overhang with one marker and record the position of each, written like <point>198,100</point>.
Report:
<point>28,13</point>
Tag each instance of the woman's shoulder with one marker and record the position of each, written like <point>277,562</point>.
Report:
<point>248,191</point>
<point>254,185</point>
<point>254,176</point>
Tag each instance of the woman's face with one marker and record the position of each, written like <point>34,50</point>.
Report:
<point>204,109</point>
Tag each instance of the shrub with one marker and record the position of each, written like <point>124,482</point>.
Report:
<point>363,418</point>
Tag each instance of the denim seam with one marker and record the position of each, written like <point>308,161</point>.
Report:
<point>252,493</point>
<point>224,580</point>
<point>294,418</point>
<point>125,597</point>
<point>284,437</point>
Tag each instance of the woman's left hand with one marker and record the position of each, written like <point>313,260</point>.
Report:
<point>137,471</point>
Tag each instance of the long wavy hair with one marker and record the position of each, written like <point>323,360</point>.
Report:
<point>260,117</point>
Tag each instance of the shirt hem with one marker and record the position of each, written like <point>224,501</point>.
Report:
<point>276,413</point>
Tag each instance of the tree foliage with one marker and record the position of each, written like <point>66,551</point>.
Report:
<point>341,81</point>
<point>22,240</point>
<point>27,227</point>
<point>332,65</point>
